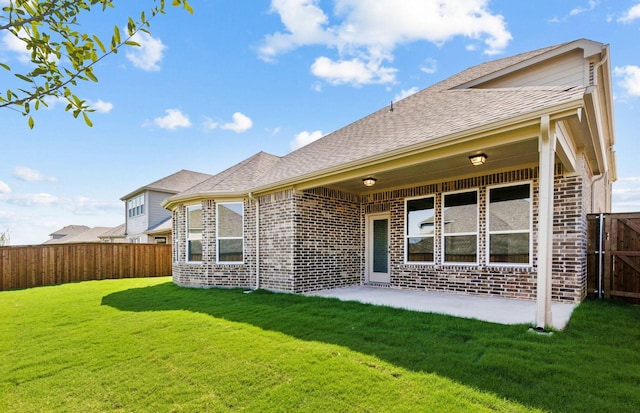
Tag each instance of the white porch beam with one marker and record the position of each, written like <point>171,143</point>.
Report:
<point>566,150</point>
<point>547,143</point>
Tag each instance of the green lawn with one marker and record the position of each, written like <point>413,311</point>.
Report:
<point>140,345</point>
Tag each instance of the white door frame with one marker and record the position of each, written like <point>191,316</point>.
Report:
<point>370,275</point>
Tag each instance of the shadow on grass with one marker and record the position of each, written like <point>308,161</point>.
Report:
<point>593,365</point>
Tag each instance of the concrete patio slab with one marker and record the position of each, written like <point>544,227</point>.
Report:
<point>491,309</point>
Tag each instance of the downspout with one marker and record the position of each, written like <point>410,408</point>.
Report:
<point>545,221</point>
<point>257,202</point>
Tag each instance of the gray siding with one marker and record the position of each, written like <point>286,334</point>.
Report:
<point>156,213</point>
<point>565,70</point>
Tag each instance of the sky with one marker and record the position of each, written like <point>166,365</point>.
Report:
<point>207,90</point>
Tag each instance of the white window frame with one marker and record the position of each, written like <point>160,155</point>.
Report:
<point>218,237</point>
<point>135,206</point>
<point>196,237</point>
<point>407,235</point>
<point>444,234</point>
<point>529,231</point>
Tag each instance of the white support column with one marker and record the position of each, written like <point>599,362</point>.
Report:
<point>546,148</point>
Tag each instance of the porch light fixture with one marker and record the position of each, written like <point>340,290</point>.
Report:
<point>369,181</point>
<point>477,160</point>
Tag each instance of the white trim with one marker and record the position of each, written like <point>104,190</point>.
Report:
<point>406,236</point>
<point>187,238</point>
<point>369,218</point>
<point>489,232</point>
<point>218,237</point>
<point>476,233</point>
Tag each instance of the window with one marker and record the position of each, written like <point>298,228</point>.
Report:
<point>509,217</point>
<point>419,223</point>
<point>460,227</point>
<point>160,240</point>
<point>135,206</point>
<point>229,230</point>
<point>194,233</point>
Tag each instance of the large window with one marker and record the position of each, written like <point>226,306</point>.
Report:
<point>460,227</point>
<point>420,222</point>
<point>194,233</point>
<point>509,217</point>
<point>229,230</point>
<point>135,206</point>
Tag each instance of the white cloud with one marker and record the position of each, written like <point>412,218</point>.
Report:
<point>353,71</point>
<point>241,123</point>
<point>304,138</point>
<point>209,124</point>
<point>580,9</point>
<point>404,93</point>
<point>626,195</point>
<point>4,188</point>
<point>365,36</point>
<point>629,79</point>
<point>173,119</point>
<point>430,66</point>
<point>31,175</point>
<point>27,200</point>
<point>13,44</point>
<point>630,15</point>
<point>101,107</point>
<point>149,54</point>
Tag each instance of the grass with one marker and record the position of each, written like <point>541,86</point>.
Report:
<point>147,345</point>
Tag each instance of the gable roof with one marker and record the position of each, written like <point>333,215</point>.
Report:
<point>172,184</point>
<point>441,113</point>
<point>240,177</point>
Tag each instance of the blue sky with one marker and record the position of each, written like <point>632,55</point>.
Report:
<point>208,90</point>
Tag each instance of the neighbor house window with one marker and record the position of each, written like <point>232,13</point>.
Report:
<point>229,231</point>
<point>420,224</point>
<point>194,233</point>
<point>460,227</point>
<point>135,206</point>
<point>509,223</point>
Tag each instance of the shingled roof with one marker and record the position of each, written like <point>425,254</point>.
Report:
<point>172,184</point>
<point>434,114</point>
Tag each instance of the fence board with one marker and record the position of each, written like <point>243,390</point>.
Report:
<point>620,255</point>
<point>49,264</point>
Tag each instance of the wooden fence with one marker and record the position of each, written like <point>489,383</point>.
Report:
<point>49,264</point>
<point>613,256</point>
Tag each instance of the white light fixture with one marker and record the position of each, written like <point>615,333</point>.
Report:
<point>369,181</point>
<point>477,160</point>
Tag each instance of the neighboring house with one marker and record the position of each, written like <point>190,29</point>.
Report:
<point>68,231</point>
<point>146,221</point>
<point>115,234</point>
<point>480,184</point>
<point>77,233</point>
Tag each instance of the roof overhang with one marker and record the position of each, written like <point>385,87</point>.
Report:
<point>508,143</point>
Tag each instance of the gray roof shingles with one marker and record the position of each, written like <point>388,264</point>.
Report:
<point>435,112</point>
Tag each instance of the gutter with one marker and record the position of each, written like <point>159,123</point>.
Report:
<point>257,202</point>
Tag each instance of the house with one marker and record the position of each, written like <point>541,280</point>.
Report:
<point>480,184</point>
<point>113,235</point>
<point>56,237</point>
<point>77,233</point>
<point>146,221</point>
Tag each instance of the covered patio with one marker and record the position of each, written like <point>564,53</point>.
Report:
<point>484,308</point>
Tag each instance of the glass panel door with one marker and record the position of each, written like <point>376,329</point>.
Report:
<point>378,248</point>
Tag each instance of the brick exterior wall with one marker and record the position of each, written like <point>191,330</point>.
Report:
<point>209,273</point>
<point>315,239</point>
<point>329,249</point>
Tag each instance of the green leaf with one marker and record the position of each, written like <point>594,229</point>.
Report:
<point>23,77</point>
<point>99,42</point>
<point>87,120</point>
<point>31,122</point>
<point>132,43</point>
<point>6,67</point>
